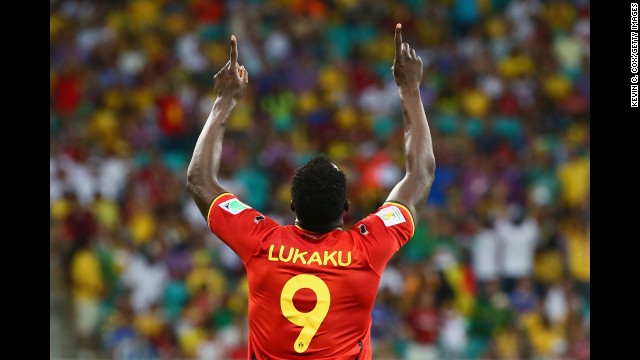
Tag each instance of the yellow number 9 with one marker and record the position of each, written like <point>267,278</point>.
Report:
<point>310,321</point>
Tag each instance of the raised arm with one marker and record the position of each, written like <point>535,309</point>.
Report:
<point>413,190</point>
<point>202,175</point>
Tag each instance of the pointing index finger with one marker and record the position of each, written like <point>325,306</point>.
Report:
<point>234,51</point>
<point>398,39</point>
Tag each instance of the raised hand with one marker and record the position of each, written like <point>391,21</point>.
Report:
<point>232,79</point>
<point>407,66</point>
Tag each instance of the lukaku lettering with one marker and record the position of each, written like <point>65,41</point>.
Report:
<point>295,255</point>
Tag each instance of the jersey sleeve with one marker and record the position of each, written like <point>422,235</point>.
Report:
<point>383,233</point>
<point>238,225</point>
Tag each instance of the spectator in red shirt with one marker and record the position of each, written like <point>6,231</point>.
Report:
<point>424,321</point>
<point>78,226</point>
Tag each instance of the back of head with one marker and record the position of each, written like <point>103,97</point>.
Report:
<point>318,194</point>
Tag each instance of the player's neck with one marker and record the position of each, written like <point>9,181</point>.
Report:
<point>336,225</point>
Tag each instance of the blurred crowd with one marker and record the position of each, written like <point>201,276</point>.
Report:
<point>499,266</point>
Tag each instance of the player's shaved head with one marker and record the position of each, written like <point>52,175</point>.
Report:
<point>318,194</point>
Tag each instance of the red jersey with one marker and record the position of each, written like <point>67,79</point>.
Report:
<point>310,294</point>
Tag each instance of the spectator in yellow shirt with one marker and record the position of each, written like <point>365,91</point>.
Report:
<point>87,288</point>
<point>574,176</point>
<point>577,236</point>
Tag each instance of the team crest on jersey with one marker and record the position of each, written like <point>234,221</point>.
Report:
<point>234,206</point>
<point>391,215</point>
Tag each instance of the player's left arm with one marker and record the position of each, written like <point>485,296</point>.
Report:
<point>202,174</point>
<point>413,190</point>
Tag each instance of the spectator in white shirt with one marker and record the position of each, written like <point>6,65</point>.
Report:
<point>484,251</point>
<point>518,236</point>
<point>146,275</point>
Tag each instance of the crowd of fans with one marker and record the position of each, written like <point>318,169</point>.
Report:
<point>499,266</point>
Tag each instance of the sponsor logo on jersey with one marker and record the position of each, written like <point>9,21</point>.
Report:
<point>234,206</point>
<point>391,215</point>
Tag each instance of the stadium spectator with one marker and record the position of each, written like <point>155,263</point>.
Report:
<point>424,320</point>
<point>453,338</point>
<point>146,276</point>
<point>88,288</point>
<point>484,251</point>
<point>518,237</point>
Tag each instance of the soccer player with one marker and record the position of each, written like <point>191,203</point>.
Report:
<point>312,284</point>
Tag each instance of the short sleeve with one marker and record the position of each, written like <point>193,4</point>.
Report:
<point>383,233</point>
<point>238,225</point>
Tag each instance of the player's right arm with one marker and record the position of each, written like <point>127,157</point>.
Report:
<point>412,191</point>
<point>234,222</point>
<point>202,174</point>
<point>382,234</point>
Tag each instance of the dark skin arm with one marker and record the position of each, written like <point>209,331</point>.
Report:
<point>202,174</point>
<point>413,190</point>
